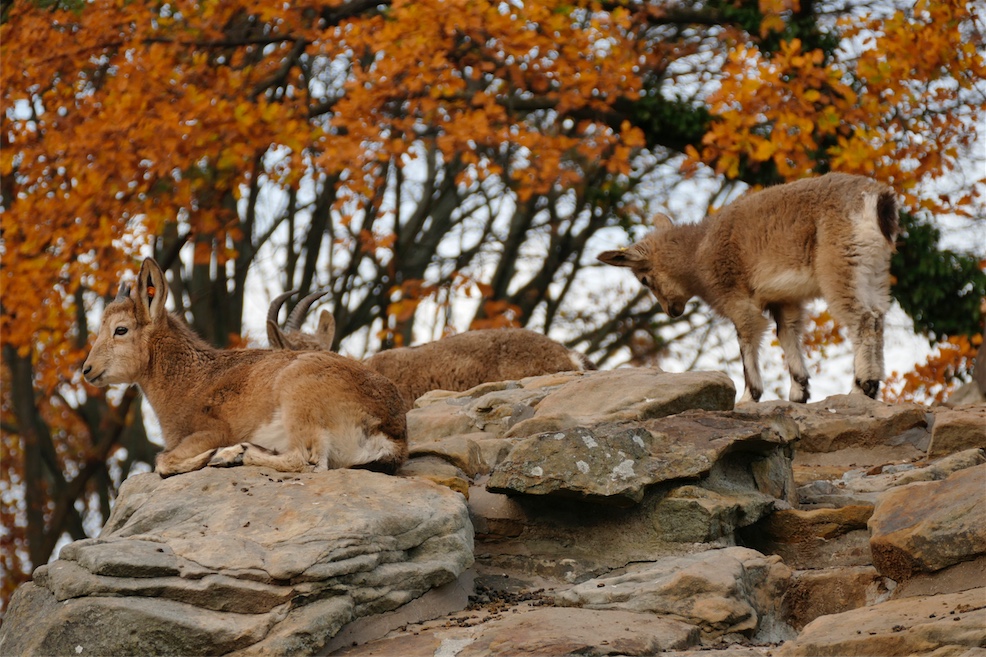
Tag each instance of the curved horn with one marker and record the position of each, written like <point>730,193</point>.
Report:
<point>275,305</point>
<point>298,314</point>
<point>124,292</point>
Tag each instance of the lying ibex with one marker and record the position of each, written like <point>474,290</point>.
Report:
<point>463,361</point>
<point>291,411</point>
<point>458,362</point>
<point>774,250</point>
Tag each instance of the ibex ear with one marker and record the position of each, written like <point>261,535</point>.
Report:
<point>152,291</point>
<point>627,257</point>
<point>326,331</point>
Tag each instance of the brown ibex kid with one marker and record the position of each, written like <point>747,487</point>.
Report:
<point>772,251</point>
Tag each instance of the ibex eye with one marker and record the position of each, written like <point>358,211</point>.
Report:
<point>120,330</point>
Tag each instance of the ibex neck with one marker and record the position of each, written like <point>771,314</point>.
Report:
<point>683,245</point>
<point>177,361</point>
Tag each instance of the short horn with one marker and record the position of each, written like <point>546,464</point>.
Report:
<point>275,305</point>
<point>124,292</point>
<point>299,312</point>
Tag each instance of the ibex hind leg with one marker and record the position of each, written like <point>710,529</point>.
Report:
<point>868,346</point>
<point>790,327</point>
<point>354,447</point>
<point>865,328</point>
<point>168,465</point>
<point>388,464</point>
<point>859,303</point>
<point>871,279</point>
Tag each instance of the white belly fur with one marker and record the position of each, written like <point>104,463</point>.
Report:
<point>786,285</point>
<point>273,435</point>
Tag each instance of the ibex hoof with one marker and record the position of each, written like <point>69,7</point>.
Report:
<point>799,390</point>
<point>869,387</point>
<point>228,457</point>
<point>750,395</point>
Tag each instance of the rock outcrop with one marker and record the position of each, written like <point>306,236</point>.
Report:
<point>246,560</point>
<point>628,512</point>
<point>926,527</point>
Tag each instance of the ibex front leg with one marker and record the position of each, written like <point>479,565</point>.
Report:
<point>790,327</point>
<point>193,453</point>
<point>750,328</point>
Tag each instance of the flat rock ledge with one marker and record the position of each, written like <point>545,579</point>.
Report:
<point>244,560</point>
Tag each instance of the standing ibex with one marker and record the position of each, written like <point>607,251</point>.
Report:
<point>773,250</point>
<point>291,411</point>
<point>458,362</point>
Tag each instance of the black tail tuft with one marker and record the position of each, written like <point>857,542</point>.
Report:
<point>886,215</point>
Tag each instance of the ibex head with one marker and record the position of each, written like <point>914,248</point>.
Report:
<point>644,259</point>
<point>291,337</point>
<point>120,353</point>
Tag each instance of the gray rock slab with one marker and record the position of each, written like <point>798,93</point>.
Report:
<point>693,514</point>
<point>815,538</point>
<point>956,578</point>
<point>244,559</point>
<point>730,591</point>
<point>846,421</point>
<point>617,461</point>
<point>459,450</point>
<point>864,486</point>
<point>445,600</point>
<point>519,409</point>
<point>38,625</point>
<point>436,469</point>
<point>637,393</point>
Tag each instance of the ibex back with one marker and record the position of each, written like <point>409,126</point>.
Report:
<point>288,410</point>
<point>774,250</point>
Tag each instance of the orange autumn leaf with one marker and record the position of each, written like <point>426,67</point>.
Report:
<point>945,369</point>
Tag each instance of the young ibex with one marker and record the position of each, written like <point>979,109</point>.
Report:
<point>458,362</point>
<point>774,250</point>
<point>291,411</point>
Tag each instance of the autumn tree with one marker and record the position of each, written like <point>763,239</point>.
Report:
<point>437,165</point>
